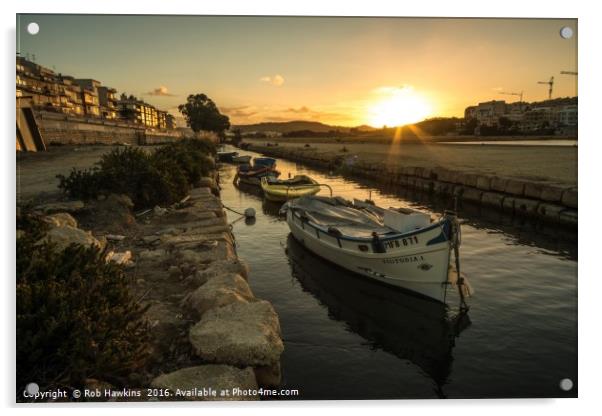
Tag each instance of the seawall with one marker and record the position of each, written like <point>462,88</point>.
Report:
<point>551,203</point>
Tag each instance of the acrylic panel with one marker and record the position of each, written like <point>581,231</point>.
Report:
<point>295,208</point>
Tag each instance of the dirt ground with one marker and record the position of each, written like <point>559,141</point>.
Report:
<point>551,164</point>
<point>36,171</point>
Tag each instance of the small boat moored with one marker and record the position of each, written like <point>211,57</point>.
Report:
<point>252,174</point>
<point>399,247</point>
<point>267,162</point>
<point>226,156</point>
<point>241,159</point>
<point>284,189</point>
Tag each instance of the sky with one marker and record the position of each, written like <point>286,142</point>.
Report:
<point>339,71</point>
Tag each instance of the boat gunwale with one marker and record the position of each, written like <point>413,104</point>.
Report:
<point>437,224</point>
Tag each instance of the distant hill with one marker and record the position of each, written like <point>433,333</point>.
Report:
<point>289,126</point>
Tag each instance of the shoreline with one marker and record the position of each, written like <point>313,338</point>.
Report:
<point>207,328</point>
<point>550,202</point>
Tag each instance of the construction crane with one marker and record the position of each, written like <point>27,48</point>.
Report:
<point>550,84</point>
<point>518,94</point>
<point>568,72</point>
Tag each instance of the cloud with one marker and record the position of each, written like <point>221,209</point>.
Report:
<point>276,80</point>
<point>498,89</point>
<point>162,91</point>
<point>306,113</point>
<point>241,111</point>
<point>299,110</point>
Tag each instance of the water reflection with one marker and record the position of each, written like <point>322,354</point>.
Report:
<point>407,326</point>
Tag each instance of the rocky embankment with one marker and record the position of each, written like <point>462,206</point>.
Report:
<point>535,199</point>
<point>209,331</point>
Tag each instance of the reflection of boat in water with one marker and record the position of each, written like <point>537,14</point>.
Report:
<point>407,326</point>
<point>271,208</point>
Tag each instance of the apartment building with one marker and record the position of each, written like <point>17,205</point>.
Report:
<point>140,112</point>
<point>107,101</point>
<point>556,114</point>
<point>84,97</point>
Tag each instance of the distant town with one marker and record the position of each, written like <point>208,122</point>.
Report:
<point>87,99</point>
<point>84,97</point>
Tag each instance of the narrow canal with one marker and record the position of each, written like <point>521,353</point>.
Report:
<point>346,338</point>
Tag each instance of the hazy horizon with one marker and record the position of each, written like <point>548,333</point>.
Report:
<point>338,71</point>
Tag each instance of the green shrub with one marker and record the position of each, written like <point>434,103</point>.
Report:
<point>81,183</point>
<point>189,157</point>
<point>76,318</point>
<point>149,179</point>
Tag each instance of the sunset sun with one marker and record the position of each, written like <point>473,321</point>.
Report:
<point>398,106</point>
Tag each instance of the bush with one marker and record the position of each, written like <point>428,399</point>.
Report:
<point>149,179</point>
<point>76,318</point>
<point>191,157</point>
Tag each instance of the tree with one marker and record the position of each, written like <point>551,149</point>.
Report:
<point>201,113</point>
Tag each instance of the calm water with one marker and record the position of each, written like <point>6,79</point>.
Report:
<point>348,338</point>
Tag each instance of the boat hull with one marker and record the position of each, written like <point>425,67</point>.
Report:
<point>282,193</point>
<point>241,159</point>
<point>422,269</point>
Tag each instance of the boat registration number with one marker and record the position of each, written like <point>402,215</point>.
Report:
<point>405,259</point>
<point>409,241</point>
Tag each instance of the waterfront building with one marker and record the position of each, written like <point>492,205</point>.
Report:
<point>89,91</point>
<point>137,111</point>
<point>38,83</point>
<point>567,116</point>
<point>107,100</point>
<point>489,113</point>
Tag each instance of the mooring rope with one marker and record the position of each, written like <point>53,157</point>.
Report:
<point>234,211</point>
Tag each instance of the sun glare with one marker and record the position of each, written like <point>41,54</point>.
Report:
<point>399,106</point>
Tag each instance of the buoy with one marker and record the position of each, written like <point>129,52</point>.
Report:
<point>250,213</point>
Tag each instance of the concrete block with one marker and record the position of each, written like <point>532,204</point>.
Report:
<point>443,188</point>
<point>498,184</point>
<point>423,184</point>
<point>515,187</point>
<point>448,176</point>
<point>526,206</point>
<point>508,204</point>
<point>484,182</point>
<point>533,190</point>
<point>436,172</point>
<point>551,193</point>
<point>492,199</point>
<point>568,217</point>
<point>550,211</point>
<point>472,194</point>
<point>467,179</point>
<point>570,198</point>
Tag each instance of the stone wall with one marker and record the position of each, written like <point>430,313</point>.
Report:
<point>552,203</point>
<point>61,129</point>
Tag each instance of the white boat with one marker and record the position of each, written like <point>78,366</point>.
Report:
<point>399,247</point>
